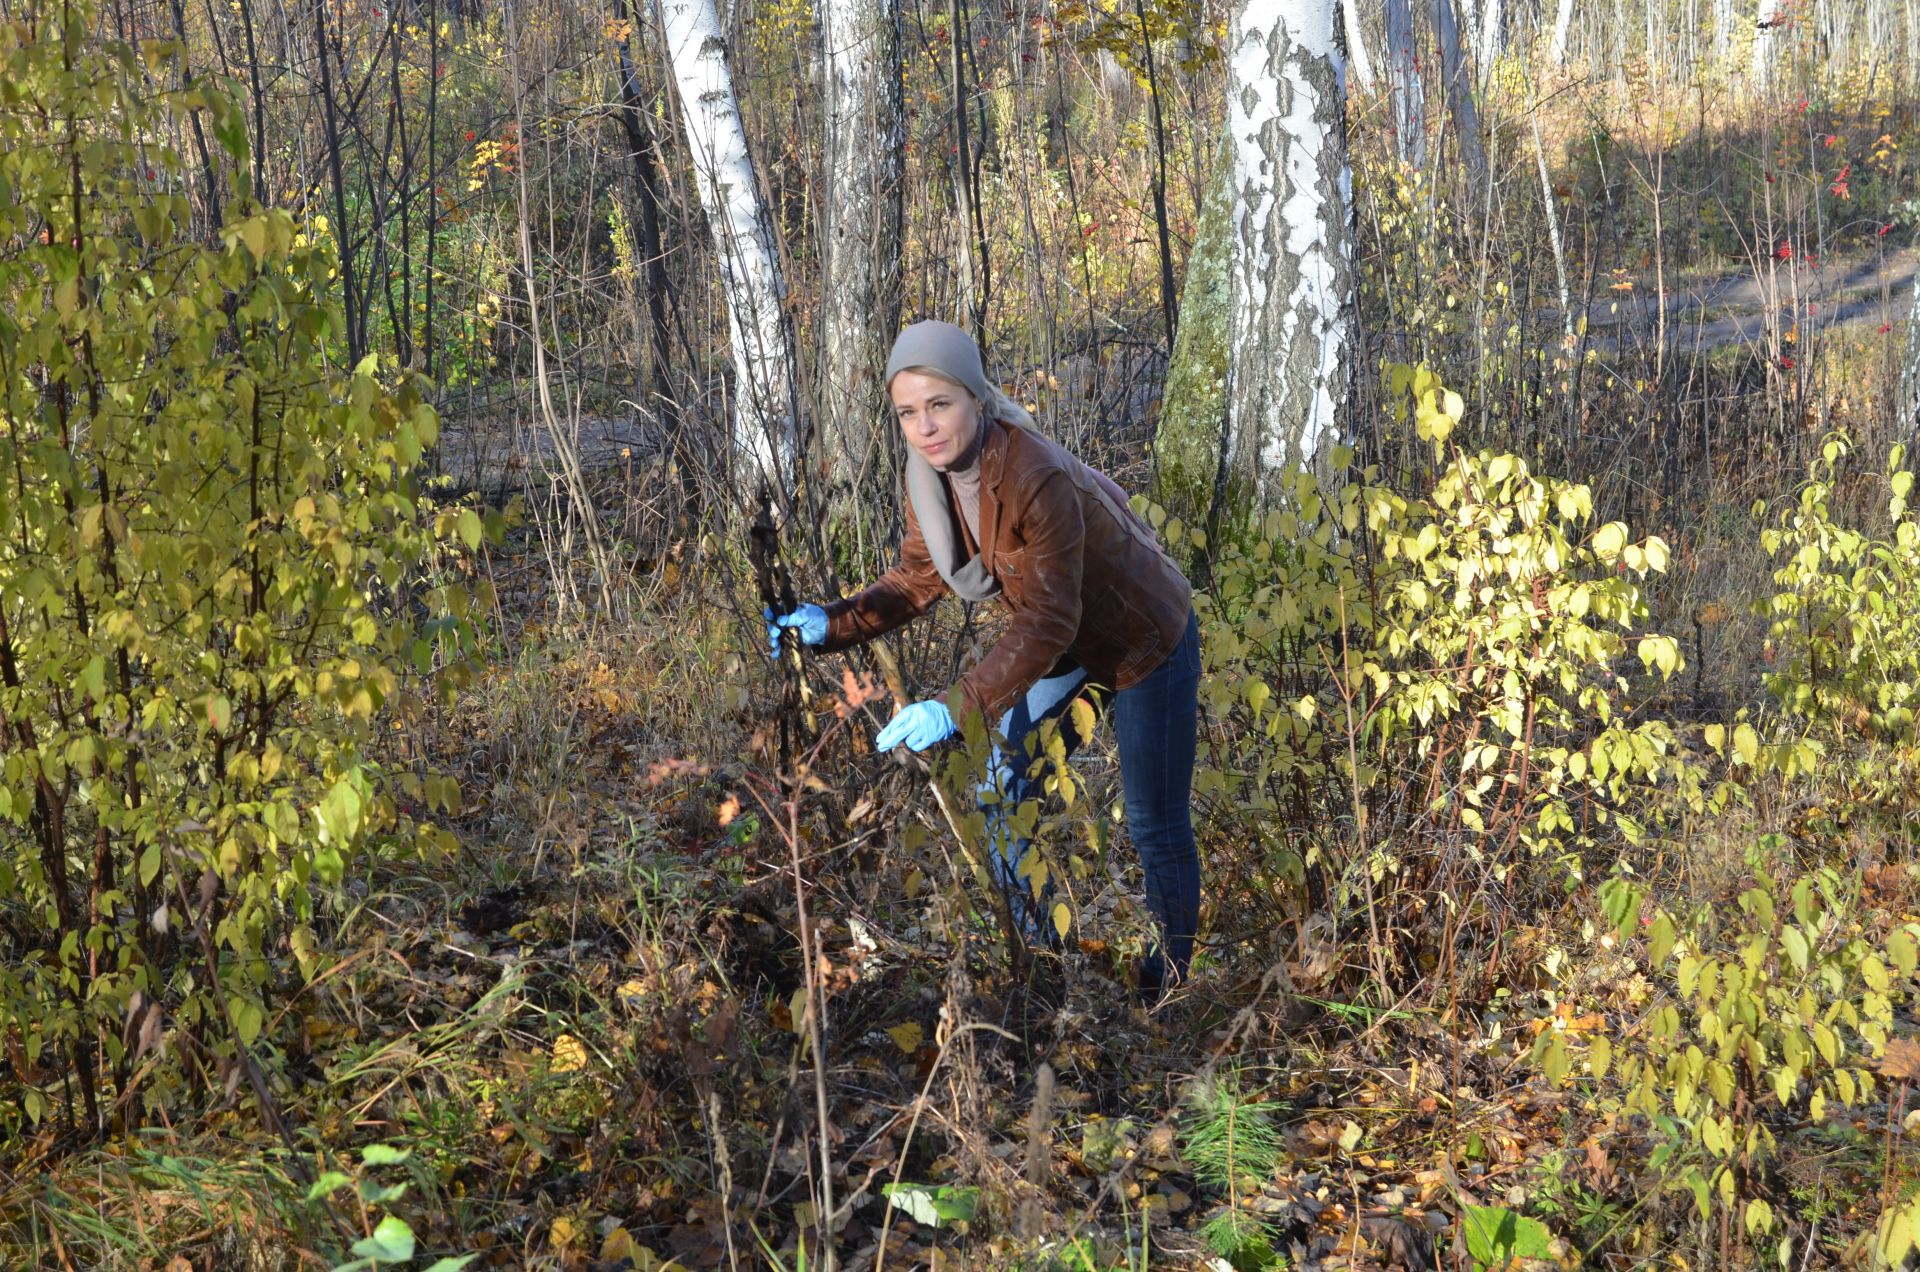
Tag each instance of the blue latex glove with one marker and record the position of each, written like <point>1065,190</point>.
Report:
<point>919,725</point>
<point>809,623</point>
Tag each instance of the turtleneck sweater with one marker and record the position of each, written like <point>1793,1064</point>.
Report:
<point>963,480</point>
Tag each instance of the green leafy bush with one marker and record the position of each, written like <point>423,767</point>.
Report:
<point>1394,671</point>
<point>1845,634</point>
<point>1758,1014</point>
<point>210,554</point>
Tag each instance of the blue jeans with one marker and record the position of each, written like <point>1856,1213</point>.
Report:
<point>1156,723</point>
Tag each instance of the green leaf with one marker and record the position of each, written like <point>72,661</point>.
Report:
<point>383,1155</point>
<point>468,526</point>
<point>452,1263</point>
<point>1660,938</point>
<point>1794,941</point>
<point>935,1205</point>
<point>328,1184</point>
<point>1746,744</point>
<point>391,1242</point>
<point>1496,1236</point>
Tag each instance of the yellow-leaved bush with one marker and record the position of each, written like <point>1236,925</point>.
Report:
<point>1845,634</point>
<point>213,585</point>
<point>1432,685</point>
<point>1757,1014</point>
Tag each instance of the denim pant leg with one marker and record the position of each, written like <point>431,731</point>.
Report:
<point>1010,779</point>
<point>1156,723</point>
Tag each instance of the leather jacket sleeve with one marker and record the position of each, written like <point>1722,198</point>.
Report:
<point>900,595</point>
<point>1052,558</point>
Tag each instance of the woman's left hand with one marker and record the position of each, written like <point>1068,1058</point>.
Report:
<point>918,725</point>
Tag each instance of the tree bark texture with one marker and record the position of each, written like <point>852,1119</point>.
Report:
<point>1765,39</point>
<point>1356,45</point>
<point>1910,369</point>
<point>1291,273</point>
<point>764,426</point>
<point>1460,103</point>
<point>860,229</point>
<point>1409,93</point>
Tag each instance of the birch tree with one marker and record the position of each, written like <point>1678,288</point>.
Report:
<point>1766,22</point>
<point>860,224</point>
<point>1460,104</point>
<point>764,425</point>
<point>1910,369</point>
<point>1557,44</point>
<point>1357,46</point>
<point>1403,78</point>
<point>1291,274</point>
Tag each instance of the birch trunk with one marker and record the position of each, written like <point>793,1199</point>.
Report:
<point>1357,46</point>
<point>1291,273</point>
<point>1492,21</point>
<point>1453,65</point>
<point>860,223</point>
<point>764,426</point>
<point>1409,94</point>
<point>1765,37</point>
<point>1910,371</point>
<point>1562,23</point>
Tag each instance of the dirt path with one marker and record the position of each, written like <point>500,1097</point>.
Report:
<point>1732,309</point>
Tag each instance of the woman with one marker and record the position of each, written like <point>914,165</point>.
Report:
<point>996,509</point>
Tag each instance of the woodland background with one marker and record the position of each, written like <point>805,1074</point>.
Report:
<point>409,855</point>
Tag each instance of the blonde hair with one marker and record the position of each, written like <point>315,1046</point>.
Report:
<point>996,406</point>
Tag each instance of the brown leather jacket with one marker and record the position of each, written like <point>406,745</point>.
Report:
<point>1082,576</point>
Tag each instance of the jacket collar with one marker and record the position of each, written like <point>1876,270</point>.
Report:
<point>993,463</point>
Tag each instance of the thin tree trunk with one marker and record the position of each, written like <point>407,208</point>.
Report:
<point>643,151</point>
<point>1460,104</point>
<point>1169,304</point>
<point>1492,33</point>
<point>1765,37</point>
<point>861,216</point>
<point>1557,46</point>
<point>1910,372</point>
<point>1292,276</point>
<point>764,427</point>
<point>1357,58</point>
<point>342,234</point>
<point>1409,93</point>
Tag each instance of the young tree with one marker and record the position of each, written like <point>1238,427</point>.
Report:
<point>860,225</point>
<point>1291,273</point>
<point>764,418</point>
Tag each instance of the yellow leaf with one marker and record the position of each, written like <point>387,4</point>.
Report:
<point>907,1037</point>
<point>563,1233</point>
<point>1062,918</point>
<point>569,1054</point>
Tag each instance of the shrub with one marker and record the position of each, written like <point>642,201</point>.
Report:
<point>208,537</point>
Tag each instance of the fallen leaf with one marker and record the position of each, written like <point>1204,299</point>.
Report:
<point>907,1037</point>
<point>569,1054</point>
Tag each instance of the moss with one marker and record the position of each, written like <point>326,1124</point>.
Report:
<point>1193,409</point>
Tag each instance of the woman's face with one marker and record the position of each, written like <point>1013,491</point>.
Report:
<point>937,417</point>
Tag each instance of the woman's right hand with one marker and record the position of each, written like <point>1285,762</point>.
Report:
<point>808,622</point>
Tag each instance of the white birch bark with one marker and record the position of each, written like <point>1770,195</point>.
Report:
<point>1910,370</point>
<point>764,427</point>
<point>1765,38</point>
<point>1492,23</point>
<point>1291,275</point>
<point>1357,58</point>
<point>1557,43</point>
<point>1409,94</point>
<point>860,225</point>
